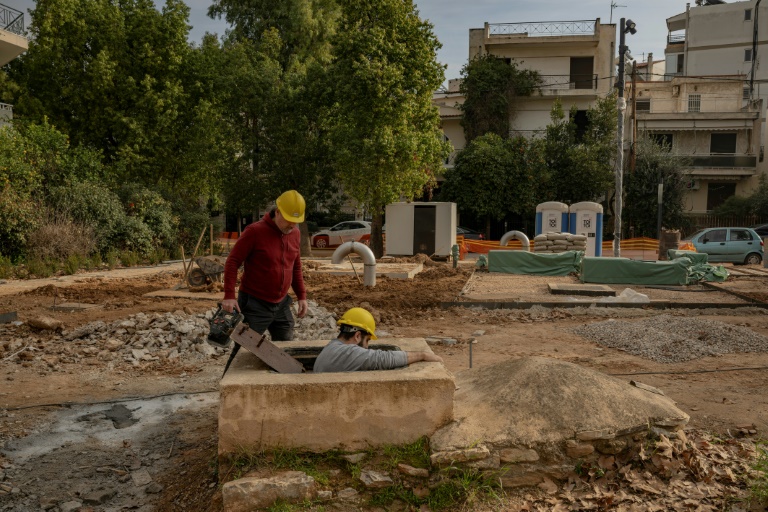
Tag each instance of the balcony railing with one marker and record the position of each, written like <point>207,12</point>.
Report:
<point>722,161</point>
<point>569,82</point>
<point>11,20</point>
<point>544,28</point>
<point>675,38</point>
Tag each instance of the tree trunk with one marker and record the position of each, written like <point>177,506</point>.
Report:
<point>487,227</point>
<point>377,239</point>
<point>306,248</point>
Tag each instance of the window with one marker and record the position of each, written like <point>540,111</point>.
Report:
<point>717,193</point>
<point>680,62</point>
<point>747,14</point>
<point>722,144</point>
<point>582,73</point>
<point>716,235</point>
<point>740,234</point>
<point>748,55</point>
<point>643,105</point>
<point>694,103</point>
<point>745,94</point>
<point>662,139</point>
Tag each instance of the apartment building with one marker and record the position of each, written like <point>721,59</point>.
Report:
<point>722,42</point>
<point>574,59</point>
<point>704,121</point>
<point>13,43</point>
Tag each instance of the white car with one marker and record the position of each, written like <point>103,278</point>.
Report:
<point>349,231</point>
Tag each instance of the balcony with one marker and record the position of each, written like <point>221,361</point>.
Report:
<point>568,82</point>
<point>13,41</point>
<point>723,161</point>
<point>6,114</point>
<point>678,38</point>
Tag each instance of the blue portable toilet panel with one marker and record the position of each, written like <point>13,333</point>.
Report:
<point>551,217</point>
<point>586,218</point>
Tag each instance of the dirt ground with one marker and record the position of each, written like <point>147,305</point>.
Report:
<point>721,394</point>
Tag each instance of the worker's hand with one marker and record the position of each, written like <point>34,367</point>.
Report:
<point>229,304</point>
<point>431,357</point>
<point>302,308</point>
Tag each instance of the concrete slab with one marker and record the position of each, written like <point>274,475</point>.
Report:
<point>352,411</point>
<point>391,270</point>
<point>592,290</point>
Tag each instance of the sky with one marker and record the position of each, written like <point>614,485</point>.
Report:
<point>452,20</point>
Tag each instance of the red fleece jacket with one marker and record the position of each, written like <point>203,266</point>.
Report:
<point>272,263</point>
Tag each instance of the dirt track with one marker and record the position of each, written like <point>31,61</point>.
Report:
<point>717,400</point>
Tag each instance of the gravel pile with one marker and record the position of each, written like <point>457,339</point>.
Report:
<point>668,339</point>
<point>137,339</point>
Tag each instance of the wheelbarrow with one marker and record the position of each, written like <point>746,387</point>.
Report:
<point>208,267</point>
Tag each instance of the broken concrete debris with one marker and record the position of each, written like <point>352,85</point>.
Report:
<point>138,339</point>
<point>246,494</point>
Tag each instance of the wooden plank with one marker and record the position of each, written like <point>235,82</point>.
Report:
<point>272,355</point>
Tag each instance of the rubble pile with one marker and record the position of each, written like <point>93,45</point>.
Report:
<point>549,243</point>
<point>137,339</point>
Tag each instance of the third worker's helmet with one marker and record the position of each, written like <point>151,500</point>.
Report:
<point>361,318</point>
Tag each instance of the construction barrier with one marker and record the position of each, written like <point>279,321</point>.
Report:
<point>631,244</point>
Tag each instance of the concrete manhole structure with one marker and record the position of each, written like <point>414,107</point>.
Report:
<point>261,409</point>
<point>537,418</point>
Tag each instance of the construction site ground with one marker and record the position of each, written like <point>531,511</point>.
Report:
<point>723,394</point>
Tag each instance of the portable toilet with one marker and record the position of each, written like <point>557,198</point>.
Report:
<point>586,218</point>
<point>551,217</point>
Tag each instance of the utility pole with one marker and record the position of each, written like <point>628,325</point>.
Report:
<point>633,146</point>
<point>621,106</point>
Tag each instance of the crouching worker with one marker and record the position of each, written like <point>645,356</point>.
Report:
<point>350,353</point>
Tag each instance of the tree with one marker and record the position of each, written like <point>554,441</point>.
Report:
<point>113,76</point>
<point>581,163</point>
<point>654,163</point>
<point>494,177</point>
<point>491,87</point>
<point>387,142</point>
<point>285,48</point>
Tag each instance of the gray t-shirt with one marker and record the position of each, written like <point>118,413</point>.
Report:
<point>338,356</point>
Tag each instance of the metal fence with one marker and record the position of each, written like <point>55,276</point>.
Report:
<point>569,81</point>
<point>708,220</point>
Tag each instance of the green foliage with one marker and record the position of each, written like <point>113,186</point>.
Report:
<point>96,260</point>
<point>57,237</point>
<point>494,177</point>
<point>72,264</point>
<point>129,258</point>
<point>111,257</point>
<point>385,497</point>
<point>415,454</point>
<point>387,142</point>
<point>152,210</point>
<point>758,484</point>
<point>491,87</point>
<point>40,268</point>
<point>466,486</point>
<point>735,206</point>
<point>18,217</point>
<point>7,267</point>
<point>581,169</point>
<point>93,205</point>
<point>654,162</point>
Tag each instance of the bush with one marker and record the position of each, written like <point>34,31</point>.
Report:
<point>6,267</point>
<point>18,217</point>
<point>93,205</point>
<point>59,238</point>
<point>111,258</point>
<point>191,224</point>
<point>133,235</point>
<point>40,268</point>
<point>154,211</point>
<point>72,265</point>
<point>129,258</point>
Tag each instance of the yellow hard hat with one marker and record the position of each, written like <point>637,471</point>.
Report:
<point>359,317</point>
<point>291,205</point>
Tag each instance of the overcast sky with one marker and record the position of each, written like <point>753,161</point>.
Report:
<point>452,20</point>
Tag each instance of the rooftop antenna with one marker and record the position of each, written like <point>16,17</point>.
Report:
<point>613,6</point>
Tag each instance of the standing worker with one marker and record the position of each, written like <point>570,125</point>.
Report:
<point>270,252</point>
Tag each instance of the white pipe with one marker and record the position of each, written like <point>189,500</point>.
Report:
<point>369,260</point>
<point>509,235</point>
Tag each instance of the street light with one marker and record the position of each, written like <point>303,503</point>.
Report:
<point>624,27</point>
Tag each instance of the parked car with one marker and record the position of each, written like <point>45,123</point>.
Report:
<point>736,245</point>
<point>349,231</point>
<point>760,229</point>
<point>469,234</point>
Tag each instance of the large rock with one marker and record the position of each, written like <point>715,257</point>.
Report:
<point>533,401</point>
<point>248,494</point>
<point>45,323</point>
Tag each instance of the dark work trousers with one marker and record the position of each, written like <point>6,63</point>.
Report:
<point>264,316</point>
